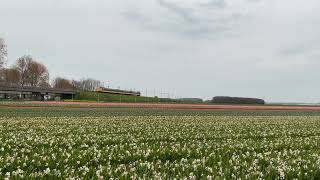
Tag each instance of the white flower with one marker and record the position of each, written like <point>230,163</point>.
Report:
<point>47,171</point>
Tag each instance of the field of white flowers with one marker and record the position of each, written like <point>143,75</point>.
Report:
<point>154,147</point>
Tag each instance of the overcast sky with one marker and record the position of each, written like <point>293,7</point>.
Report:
<point>191,48</point>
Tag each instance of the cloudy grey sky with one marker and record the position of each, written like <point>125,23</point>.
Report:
<point>190,48</point>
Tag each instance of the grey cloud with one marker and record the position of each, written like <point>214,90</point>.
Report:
<point>192,26</point>
<point>136,17</point>
<point>293,51</point>
<point>204,29</point>
<point>185,13</point>
<point>215,4</point>
<point>298,49</point>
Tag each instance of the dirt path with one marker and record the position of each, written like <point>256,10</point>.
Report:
<point>164,106</point>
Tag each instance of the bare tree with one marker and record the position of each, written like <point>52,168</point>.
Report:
<point>10,77</point>
<point>32,73</point>
<point>2,77</point>
<point>38,74</point>
<point>62,83</point>
<point>3,52</point>
<point>44,84</point>
<point>86,84</point>
<point>91,84</point>
<point>22,66</point>
<point>76,84</point>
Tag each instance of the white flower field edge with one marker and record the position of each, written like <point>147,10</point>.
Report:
<point>154,147</point>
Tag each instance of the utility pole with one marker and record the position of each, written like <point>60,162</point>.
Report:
<point>147,95</point>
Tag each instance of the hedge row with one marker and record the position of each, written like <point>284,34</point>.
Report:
<point>236,100</point>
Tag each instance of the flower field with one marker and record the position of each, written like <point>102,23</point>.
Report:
<point>124,143</point>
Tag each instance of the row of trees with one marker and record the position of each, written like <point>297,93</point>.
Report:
<point>28,72</point>
<point>83,84</point>
<point>236,100</point>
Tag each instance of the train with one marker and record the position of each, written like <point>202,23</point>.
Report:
<point>117,91</point>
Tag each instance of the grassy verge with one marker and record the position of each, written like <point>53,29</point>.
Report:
<point>103,97</point>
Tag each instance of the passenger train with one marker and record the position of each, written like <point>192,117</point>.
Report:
<point>117,91</point>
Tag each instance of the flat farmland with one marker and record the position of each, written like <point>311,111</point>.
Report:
<point>161,106</point>
<point>132,143</point>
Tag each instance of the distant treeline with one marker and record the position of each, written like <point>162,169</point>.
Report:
<point>29,72</point>
<point>105,97</point>
<point>191,100</point>
<point>236,100</point>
